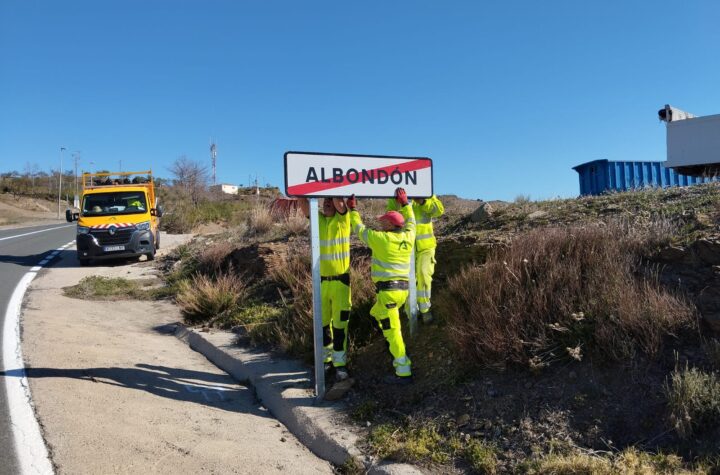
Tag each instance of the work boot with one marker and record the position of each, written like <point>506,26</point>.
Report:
<point>426,318</point>
<point>328,370</point>
<point>341,374</point>
<point>396,380</point>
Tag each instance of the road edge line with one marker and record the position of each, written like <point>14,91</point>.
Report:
<point>32,453</point>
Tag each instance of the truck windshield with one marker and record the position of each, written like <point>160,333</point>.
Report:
<point>119,202</point>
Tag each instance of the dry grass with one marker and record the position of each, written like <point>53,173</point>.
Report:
<point>260,220</point>
<point>422,442</point>
<point>559,291</point>
<point>694,400</point>
<point>292,330</point>
<point>213,260</point>
<point>95,287</point>
<point>295,223</point>
<point>205,298</point>
<point>628,462</point>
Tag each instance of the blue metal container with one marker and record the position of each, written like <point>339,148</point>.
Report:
<point>599,176</point>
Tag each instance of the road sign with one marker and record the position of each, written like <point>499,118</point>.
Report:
<point>366,176</point>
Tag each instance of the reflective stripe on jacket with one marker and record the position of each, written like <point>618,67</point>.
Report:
<point>424,214</point>
<point>334,244</point>
<point>391,250</point>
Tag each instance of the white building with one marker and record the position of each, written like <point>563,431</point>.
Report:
<point>225,188</point>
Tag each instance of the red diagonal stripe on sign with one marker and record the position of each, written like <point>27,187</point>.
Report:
<point>315,186</point>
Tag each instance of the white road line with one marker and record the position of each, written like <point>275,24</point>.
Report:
<point>30,447</point>
<point>36,232</point>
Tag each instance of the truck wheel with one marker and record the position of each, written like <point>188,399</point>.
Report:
<point>150,256</point>
<point>157,240</point>
<point>84,262</point>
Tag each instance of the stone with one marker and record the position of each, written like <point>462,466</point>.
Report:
<point>672,254</point>
<point>462,420</point>
<point>482,214</point>
<point>707,251</point>
<point>537,214</point>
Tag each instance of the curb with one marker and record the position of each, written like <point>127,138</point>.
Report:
<point>285,388</point>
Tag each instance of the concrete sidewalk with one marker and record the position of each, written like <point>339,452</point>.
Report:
<point>285,388</point>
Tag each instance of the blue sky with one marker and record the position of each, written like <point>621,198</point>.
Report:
<point>505,96</point>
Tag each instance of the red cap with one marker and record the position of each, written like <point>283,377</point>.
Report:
<point>395,218</point>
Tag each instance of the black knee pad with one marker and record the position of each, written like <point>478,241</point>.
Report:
<point>338,339</point>
<point>384,324</point>
<point>344,315</point>
<point>327,339</point>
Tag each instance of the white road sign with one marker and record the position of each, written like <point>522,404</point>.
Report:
<point>366,176</point>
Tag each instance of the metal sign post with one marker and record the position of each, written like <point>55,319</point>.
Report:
<point>317,302</point>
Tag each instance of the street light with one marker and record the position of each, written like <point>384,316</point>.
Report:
<point>62,149</point>
<point>76,156</point>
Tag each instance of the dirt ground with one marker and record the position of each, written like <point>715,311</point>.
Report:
<point>115,393</point>
<point>27,212</point>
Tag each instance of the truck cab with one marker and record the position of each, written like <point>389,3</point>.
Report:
<point>118,217</point>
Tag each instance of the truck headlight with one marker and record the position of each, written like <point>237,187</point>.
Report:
<point>145,226</point>
<point>83,230</point>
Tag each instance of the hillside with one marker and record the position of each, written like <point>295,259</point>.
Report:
<point>26,210</point>
<point>574,336</point>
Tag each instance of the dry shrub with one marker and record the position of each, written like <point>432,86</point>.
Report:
<point>629,461</point>
<point>214,260</point>
<point>295,223</point>
<point>292,331</point>
<point>694,400</point>
<point>369,208</point>
<point>260,220</point>
<point>556,291</point>
<point>205,298</point>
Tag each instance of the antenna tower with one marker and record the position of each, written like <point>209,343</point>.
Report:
<point>213,157</point>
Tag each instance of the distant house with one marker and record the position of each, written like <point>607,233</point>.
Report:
<point>225,188</point>
<point>599,176</point>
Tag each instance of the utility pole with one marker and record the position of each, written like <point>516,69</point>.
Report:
<point>213,158</point>
<point>62,149</point>
<point>76,156</point>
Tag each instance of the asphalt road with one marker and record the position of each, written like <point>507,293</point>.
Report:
<point>21,249</point>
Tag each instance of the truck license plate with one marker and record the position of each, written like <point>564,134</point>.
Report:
<point>113,248</point>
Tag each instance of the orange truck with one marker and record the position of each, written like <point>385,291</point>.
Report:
<point>118,217</point>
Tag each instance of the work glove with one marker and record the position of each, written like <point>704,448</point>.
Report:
<point>352,202</point>
<point>401,197</point>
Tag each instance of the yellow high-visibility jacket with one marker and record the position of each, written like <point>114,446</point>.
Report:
<point>334,244</point>
<point>424,214</point>
<point>391,250</point>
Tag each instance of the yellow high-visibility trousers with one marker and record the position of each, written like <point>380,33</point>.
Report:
<point>336,305</point>
<point>387,313</point>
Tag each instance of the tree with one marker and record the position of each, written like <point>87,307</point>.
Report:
<point>191,176</point>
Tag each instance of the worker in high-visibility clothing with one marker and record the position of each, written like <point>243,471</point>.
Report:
<point>425,210</point>
<point>334,227</point>
<point>390,271</point>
